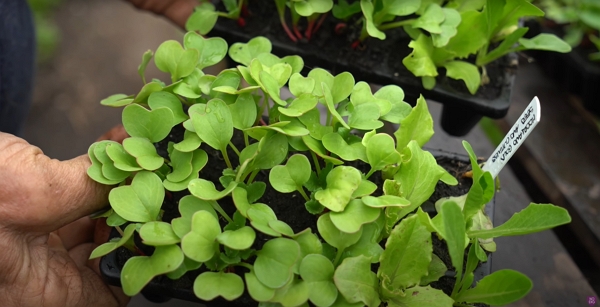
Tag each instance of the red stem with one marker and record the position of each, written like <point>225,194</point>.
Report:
<point>288,32</point>
<point>309,30</point>
<point>297,32</point>
<point>321,20</point>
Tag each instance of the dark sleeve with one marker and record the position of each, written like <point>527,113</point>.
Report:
<point>17,62</point>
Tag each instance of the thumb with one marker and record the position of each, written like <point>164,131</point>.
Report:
<point>41,193</point>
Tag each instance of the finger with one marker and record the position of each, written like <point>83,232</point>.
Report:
<point>76,233</point>
<point>117,134</point>
<point>178,11</point>
<point>117,292</point>
<point>101,232</point>
<point>44,194</point>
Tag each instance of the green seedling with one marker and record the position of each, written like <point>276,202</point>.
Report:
<point>205,15</point>
<point>581,17</point>
<point>332,155</point>
<point>479,29</point>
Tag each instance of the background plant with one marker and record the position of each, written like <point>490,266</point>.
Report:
<point>581,19</point>
<point>301,153</point>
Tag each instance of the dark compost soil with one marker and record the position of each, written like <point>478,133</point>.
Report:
<point>287,207</point>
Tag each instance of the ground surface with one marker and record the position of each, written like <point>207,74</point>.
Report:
<point>102,46</point>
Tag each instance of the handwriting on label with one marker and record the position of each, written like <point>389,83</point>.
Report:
<point>514,138</point>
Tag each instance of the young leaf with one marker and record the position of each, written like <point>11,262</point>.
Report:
<point>109,171</point>
<point>454,234</point>
<point>356,282</point>
<point>239,239</point>
<point>401,8</point>
<point>436,269</point>
<point>354,216</point>
<point>170,101</point>
<point>318,148</point>
<point>335,143</point>
<point>274,262</point>
<point>291,176</point>
<point>534,218</point>
<point>140,201</point>
<point>317,271</point>
<point>189,205</point>
<point>213,123</point>
<point>302,104</point>
<point>117,100</point>
<point>361,94</point>
<point>108,247</point>
<point>281,227</point>
<point>200,244</point>
<point>330,105</point>
<point>406,256</point>
<point>420,60</point>
<point>158,234</point>
<point>187,265</point>
<point>144,152</point>
<point>145,60</point>
<point>418,177</point>
<point>172,58</point>
<point>154,125</point>
<point>182,165</point>
<point>139,270</point>
<point>333,236</point>
<point>499,288</point>
<point>342,181</point>
<point>294,293</point>
<point>245,53</point>
<point>368,10</point>
<point>309,7</point>
<point>256,289</point>
<point>418,126</point>
<point>365,116</point>
<point>272,150</point>
<point>385,201</point>
<point>260,215</point>
<point>191,142</point>
<point>299,85</point>
<point>212,50</point>
<point>461,70</point>
<point>210,285</point>
<point>431,19</point>
<point>203,19</point>
<point>122,160</point>
<point>146,90</point>
<point>544,41</point>
<point>381,151</point>
<point>243,111</point>
<point>342,9</point>
<point>199,160</point>
<point>470,35</point>
<point>447,27</point>
<point>206,190</point>
<point>422,296</point>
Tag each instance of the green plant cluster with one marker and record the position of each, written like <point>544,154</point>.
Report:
<point>355,227</point>
<point>459,37</point>
<point>582,20</point>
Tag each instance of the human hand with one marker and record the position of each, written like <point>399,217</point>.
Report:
<point>45,235</point>
<point>177,11</point>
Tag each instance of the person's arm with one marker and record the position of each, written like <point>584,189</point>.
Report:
<point>177,11</point>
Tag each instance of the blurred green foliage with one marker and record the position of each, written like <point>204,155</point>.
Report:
<point>47,32</point>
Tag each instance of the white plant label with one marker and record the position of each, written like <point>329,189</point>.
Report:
<point>514,138</point>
